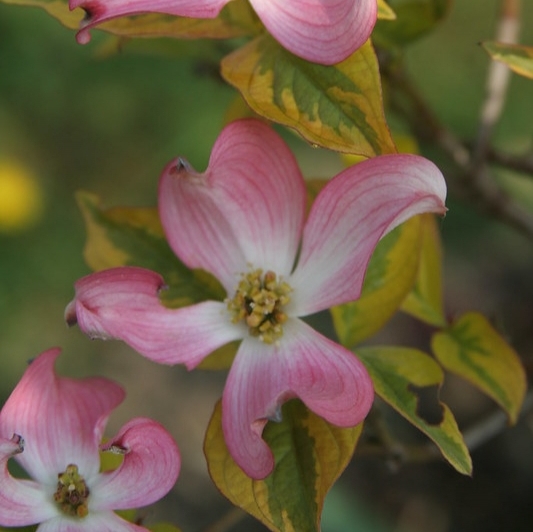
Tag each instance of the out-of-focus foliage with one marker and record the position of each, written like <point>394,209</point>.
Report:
<point>414,18</point>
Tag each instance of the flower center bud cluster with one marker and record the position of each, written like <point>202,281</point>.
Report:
<point>259,301</point>
<point>72,493</point>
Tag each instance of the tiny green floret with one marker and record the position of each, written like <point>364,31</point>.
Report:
<point>259,301</point>
<point>72,493</point>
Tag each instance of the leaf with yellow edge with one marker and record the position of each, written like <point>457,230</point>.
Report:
<point>56,8</point>
<point>517,57</point>
<point>338,107</point>
<point>384,11</point>
<point>235,20</point>
<point>425,299</point>
<point>394,372</point>
<point>390,276</point>
<point>133,236</point>
<point>474,350</point>
<point>310,455</point>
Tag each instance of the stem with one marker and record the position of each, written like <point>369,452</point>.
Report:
<point>508,29</point>
<point>474,436</point>
<point>518,163</point>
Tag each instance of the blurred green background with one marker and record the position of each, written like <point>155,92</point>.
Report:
<point>75,117</point>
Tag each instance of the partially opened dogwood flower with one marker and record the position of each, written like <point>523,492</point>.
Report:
<point>322,31</point>
<point>53,426</point>
<point>243,221</point>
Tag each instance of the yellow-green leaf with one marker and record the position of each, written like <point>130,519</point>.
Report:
<point>56,8</point>
<point>163,527</point>
<point>236,19</point>
<point>425,299</point>
<point>384,11</point>
<point>110,460</point>
<point>389,278</point>
<point>31,528</point>
<point>338,107</point>
<point>517,57</point>
<point>394,371</point>
<point>128,515</point>
<point>474,350</point>
<point>310,455</point>
<point>221,358</point>
<point>133,236</point>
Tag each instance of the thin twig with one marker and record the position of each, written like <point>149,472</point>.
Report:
<point>474,185</point>
<point>508,29</point>
<point>518,163</point>
<point>476,435</point>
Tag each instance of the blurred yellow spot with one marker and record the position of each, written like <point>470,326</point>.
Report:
<point>21,197</point>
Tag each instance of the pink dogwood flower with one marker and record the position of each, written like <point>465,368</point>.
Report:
<point>52,426</point>
<point>321,31</point>
<point>243,220</point>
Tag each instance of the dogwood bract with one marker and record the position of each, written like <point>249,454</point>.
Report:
<point>322,31</point>
<point>53,426</point>
<point>243,220</point>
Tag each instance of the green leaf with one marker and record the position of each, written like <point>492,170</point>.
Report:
<point>133,236</point>
<point>235,20</point>
<point>310,455</point>
<point>338,107</point>
<point>394,371</point>
<point>517,57</point>
<point>425,299</point>
<point>474,350</point>
<point>390,276</point>
<point>414,18</point>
